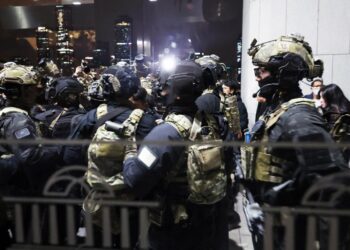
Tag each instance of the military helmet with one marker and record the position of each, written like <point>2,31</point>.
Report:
<point>129,83</point>
<point>13,73</point>
<point>272,55</point>
<point>213,70</point>
<point>104,88</point>
<point>186,83</point>
<point>63,89</point>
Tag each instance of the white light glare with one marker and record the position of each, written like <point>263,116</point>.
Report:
<point>173,45</point>
<point>76,3</point>
<point>168,63</point>
<point>153,0</point>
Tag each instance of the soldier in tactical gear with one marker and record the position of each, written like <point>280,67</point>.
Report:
<point>280,64</point>
<point>104,161</point>
<point>181,222</point>
<point>63,95</point>
<point>114,89</point>
<point>24,169</point>
<point>214,101</point>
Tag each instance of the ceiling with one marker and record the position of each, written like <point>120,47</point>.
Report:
<point>6,3</point>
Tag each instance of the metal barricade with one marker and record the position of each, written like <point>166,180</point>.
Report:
<point>284,219</point>
<point>321,222</point>
<point>27,219</point>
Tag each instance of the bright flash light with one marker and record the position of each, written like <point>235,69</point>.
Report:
<point>76,3</point>
<point>168,63</point>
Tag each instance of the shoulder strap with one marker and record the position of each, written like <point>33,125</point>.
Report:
<point>181,123</point>
<point>275,116</point>
<point>115,112</point>
<point>222,102</point>
<point>53,123</point>
<point>196,126</point>
<point>132,122</point>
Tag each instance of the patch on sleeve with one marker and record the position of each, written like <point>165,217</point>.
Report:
<point>147,157</point>
<point>24,132</point>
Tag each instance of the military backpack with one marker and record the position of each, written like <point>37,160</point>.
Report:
<point>206,175</point>
<point>105,162</point>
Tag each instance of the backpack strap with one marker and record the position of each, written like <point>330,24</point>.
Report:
<point>110,115</point>
<point>53,123</point>
<point>222,102</point>
<point>181,123</point>
<point>132,122</point>
<point>196,126</point>
<point>272,118</point>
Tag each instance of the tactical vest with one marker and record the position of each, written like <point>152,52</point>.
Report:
<point>258,163</point>
<point>106,159</point>
<point>60,126</point>
<point>105,167</point>
<point>205,171</point>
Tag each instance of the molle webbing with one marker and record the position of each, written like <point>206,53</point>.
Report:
<point>267,167</point>
<point>181,123</point>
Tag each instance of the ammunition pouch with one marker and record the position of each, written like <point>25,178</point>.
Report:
<point>231,113</point>
<point>209,157</point>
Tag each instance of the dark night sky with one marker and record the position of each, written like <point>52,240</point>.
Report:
<point>212,25</point>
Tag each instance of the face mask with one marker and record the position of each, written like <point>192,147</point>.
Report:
<point>315,91</point>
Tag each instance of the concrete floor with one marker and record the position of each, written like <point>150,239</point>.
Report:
<point>240,238</point>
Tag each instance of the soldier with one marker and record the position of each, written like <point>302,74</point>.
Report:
<point>63,94</point>
<point>115,88</point>
<point>280,64</point>
<point>24,169</point>
<point>184,221</point>
<point>214,101</point>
